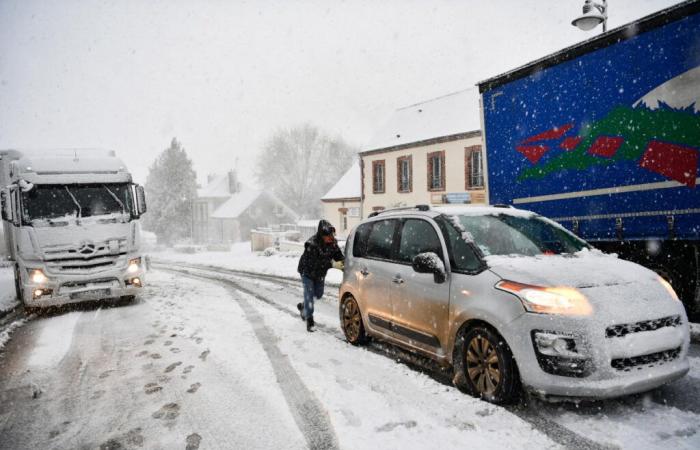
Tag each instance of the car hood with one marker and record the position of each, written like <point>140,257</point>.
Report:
<point>618,290</point>
<point>587,268</point>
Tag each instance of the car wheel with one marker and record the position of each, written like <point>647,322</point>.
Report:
<point>351,321</point>
<point>484,366</point>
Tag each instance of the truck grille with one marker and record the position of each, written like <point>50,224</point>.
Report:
<point>645,325</point>
<point>645,361</point>
<point>88,257</point>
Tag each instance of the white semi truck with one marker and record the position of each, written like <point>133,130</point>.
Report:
<point>71,226</point>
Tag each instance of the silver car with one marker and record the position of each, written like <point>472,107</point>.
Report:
<point>510,299</point>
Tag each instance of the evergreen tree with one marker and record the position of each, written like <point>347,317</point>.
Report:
<point>171,187</point>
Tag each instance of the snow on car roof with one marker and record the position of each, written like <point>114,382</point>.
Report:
<point>443,116</point>
<point>482,210</point>
<point>349,185</point>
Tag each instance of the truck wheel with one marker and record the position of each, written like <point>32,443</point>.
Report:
<point>484,366</point>
<point>351,321</point>
<point>18,286</point>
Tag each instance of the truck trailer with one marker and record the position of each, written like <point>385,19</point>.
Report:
<point>71,226</point>
<point>604,137</point>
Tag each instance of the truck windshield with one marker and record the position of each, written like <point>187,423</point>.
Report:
<point>505,234</point>
<point>47,202</point>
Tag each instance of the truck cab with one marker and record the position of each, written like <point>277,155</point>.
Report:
<point>71,226</point>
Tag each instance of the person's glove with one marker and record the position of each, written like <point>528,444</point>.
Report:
<point>340,265</point>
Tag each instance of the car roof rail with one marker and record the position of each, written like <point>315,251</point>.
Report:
<point>400,208</point>
<point>502,205</point>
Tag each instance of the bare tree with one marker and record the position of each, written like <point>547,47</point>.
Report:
<point>300,164</point>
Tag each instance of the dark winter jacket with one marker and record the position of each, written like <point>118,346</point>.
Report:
<point>316,259</point>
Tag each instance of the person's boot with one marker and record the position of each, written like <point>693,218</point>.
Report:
<point>300,307</point>
<point>310,325</point>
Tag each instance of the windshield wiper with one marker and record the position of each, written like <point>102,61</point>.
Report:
<point>80,210</point>
<point>114,196</point>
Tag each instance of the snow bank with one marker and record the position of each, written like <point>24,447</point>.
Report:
<point>7,290</point>
<point>695,332</point>
<point>279,264</point>
<point>5,334</point>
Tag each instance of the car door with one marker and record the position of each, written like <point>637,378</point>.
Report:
<point>420,304</point>
<point>375,270</point>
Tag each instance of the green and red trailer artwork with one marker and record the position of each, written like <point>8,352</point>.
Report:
<point>605,132</point>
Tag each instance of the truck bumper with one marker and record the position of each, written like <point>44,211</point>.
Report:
<point>64,290</point>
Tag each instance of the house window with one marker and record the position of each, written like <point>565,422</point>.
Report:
<point>404,171</point>
<point>378,176</point>
<point>473,167</point>
<point>345,222</point>
<point>436,171</point>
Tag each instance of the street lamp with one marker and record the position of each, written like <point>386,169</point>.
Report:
<point>594,13</point>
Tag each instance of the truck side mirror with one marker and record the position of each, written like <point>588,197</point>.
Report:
<point>140,200</point>
<point>6,205</point>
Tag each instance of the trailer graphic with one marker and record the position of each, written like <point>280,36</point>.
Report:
<point>604,137</point>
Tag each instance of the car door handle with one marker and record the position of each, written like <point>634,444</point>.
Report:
<point>397,280</point>
<point>364,272</point>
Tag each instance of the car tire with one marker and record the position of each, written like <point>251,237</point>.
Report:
<point>18,285</point>
<point>351,321</point>
<point>484,366</point>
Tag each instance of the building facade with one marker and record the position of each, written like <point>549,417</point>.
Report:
<point>342,204</point>
<point>225,211</point>
<point>427,153</point>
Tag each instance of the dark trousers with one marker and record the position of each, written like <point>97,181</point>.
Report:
<point>312,289</point>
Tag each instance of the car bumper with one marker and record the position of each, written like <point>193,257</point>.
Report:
<point>602,379</point>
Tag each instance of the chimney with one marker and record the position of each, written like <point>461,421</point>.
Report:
<point>232,182</point>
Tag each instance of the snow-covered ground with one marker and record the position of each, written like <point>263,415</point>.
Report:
<point>7,289</point>
<point>242,258</point>
<point>196,362</point>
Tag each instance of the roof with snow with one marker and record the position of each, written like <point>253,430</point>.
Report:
<point>448,115</point>
<point>349,185</point>
<point>237,204</point>
<point>218,188</point>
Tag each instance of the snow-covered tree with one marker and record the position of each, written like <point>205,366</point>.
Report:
<point>300,164</point>
<point>171,187</point>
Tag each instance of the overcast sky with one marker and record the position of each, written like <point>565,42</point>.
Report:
<point>221,76</point>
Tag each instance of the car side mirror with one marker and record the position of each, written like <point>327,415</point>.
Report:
<point>141,207</point>
<point>429,262</point>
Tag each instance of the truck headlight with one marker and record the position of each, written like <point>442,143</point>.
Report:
<point>37,276</point>
<point>549,300</point>
<point>669,288</point>
<point>134,265</point>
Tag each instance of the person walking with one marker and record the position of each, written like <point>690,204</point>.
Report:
<point>321,252</point>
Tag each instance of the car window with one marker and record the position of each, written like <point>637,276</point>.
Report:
<point>359,244</point>
<point>381,239</point>
<point>463,256</point>
<point>418,236</point>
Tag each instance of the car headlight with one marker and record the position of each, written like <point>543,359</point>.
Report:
<point>37,276</point>
<point>134,265</point>
<point>549,300</point>
<point>669,288</point>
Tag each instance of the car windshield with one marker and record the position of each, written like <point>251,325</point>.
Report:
<point>82,200</point>
<point>505,234</point>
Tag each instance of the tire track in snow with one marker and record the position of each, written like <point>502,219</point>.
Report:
<point>558,433</point>
<point>309,414</point>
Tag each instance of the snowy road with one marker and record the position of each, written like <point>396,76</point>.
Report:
<point>216,360</point>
